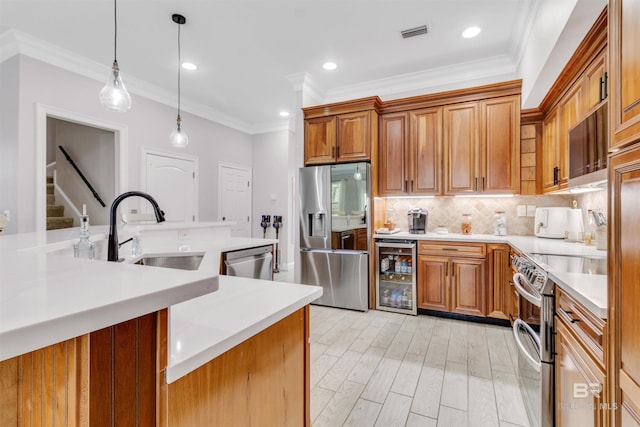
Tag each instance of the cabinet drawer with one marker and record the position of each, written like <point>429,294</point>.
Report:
<point>473,250</point>
<point>588,328</point>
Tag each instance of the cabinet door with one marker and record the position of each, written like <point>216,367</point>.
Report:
<point>433,289</point>
<point>460,148</point>
<point>392,157</point>
<point>500,145</point>
<point>550,151</point>
<point>425,160</point>
<point>571,110</point>
<point>361,239</point>
<point>624,292</point>
<point>467,278</point>
<point>319,140</point>
<point>499,292</point>
<point>624,61</point>
<point>354,137</point>
<point>595,81</point>
<point>579,384</point>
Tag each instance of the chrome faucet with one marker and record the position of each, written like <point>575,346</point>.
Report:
<point>112,254</point>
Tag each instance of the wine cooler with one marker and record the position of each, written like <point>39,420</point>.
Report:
<point>396,276</point>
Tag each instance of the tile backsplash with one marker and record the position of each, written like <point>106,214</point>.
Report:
<point>447,211</point>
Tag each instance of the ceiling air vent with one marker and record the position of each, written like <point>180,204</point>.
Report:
<point>412,32</point>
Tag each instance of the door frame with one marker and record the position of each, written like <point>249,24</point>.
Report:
<point>121,152</point>
<point>172,154</point>
<point>244,168</point>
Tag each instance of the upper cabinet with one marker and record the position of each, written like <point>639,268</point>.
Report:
<point>481,146</point>
<point>596,81</point>
<point>319,140</point>
<point>500,145</point>
<point>624,61</point>
<point>410,146</point>
<point>336,133</point>
<point>581,87</point>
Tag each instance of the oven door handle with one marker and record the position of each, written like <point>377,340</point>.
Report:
<point>518,324</point>
<point>533,299</point>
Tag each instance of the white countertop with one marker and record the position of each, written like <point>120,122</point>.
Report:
<point>589,289</point>
<point>205,327</point>
<point>47,296</point>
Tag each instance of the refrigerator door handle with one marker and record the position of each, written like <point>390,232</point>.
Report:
<point>333,251</point>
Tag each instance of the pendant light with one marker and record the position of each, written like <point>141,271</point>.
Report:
<point>114,95</point>
<point>179,137</point>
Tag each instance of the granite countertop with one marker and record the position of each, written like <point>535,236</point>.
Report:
<point>589,289</point>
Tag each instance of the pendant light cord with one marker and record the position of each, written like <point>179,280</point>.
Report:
<point>179,25</point>
<point>115,30</point>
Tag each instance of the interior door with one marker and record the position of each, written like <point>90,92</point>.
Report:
<point>172,181</point>
<point>234,198</point>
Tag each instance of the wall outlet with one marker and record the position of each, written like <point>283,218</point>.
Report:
<point>531,210</point>
<point>522,210</point>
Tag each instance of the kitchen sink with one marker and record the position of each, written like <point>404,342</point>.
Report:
<point>574,264</point>
<point>180,262</point>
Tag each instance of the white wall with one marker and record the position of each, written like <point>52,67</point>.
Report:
<point>271,195</point>
<point>149,124</point>
<point>9,71</point>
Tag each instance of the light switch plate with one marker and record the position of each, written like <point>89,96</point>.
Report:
<point>522,210</point>
<point>531,210</point>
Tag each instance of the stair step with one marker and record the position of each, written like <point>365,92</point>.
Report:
<point>55,211</point>
<point>50,189</point>
<point>51,199</point>
<point>49,180</point>
<point>59,222</point>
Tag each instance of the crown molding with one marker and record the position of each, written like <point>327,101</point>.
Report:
<point>14,42</point>
<point>423,81</point>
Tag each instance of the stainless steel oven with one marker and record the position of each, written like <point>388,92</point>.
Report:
<point>535,343</point>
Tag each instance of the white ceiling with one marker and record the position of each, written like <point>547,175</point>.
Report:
<point>247,50</point>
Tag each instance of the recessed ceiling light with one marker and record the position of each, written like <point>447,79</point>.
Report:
<point>189,66</point>
<point>471,32</point>
<point>284,114</point>
<point>329,66</point>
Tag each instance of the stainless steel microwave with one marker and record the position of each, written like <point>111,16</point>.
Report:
<point>588,147</point>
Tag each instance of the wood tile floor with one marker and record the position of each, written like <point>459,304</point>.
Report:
<point>387,369</point>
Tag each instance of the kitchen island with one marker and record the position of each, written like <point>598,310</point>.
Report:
<point>84,342</point>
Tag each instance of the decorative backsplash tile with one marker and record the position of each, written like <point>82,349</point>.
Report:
<point>447,211</point>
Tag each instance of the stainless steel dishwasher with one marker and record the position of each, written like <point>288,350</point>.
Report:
<point>254,263</point>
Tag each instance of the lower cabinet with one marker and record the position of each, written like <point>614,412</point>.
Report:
<point>579,383</point>
<point>580,379</point>
<point>501,299</point>
<point>450,283</point>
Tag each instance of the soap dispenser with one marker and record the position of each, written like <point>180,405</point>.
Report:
<point>84,248</point>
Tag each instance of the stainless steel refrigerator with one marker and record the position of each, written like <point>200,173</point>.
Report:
<point>334,233</point>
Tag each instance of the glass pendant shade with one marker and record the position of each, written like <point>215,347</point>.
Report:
<point>114,95</point>
<point>178,137</point>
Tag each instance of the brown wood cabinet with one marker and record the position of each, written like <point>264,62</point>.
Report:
<point>580,383</point>
<point>595,80</point>
<point>624,292</point>
<point>551,161</point>
<point>500,145</point>
<point>116,376</point>
<point>361,239</point>
<point>341,138</point>
<point>555,140</point>
<point>452,277</point>
<point>624,61</point>
<point>500,301</point>
<point>319,140</point>
<point>482,146</point>
<point>410,152</point>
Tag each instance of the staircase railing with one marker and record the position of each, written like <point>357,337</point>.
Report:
<point>93,191</point>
